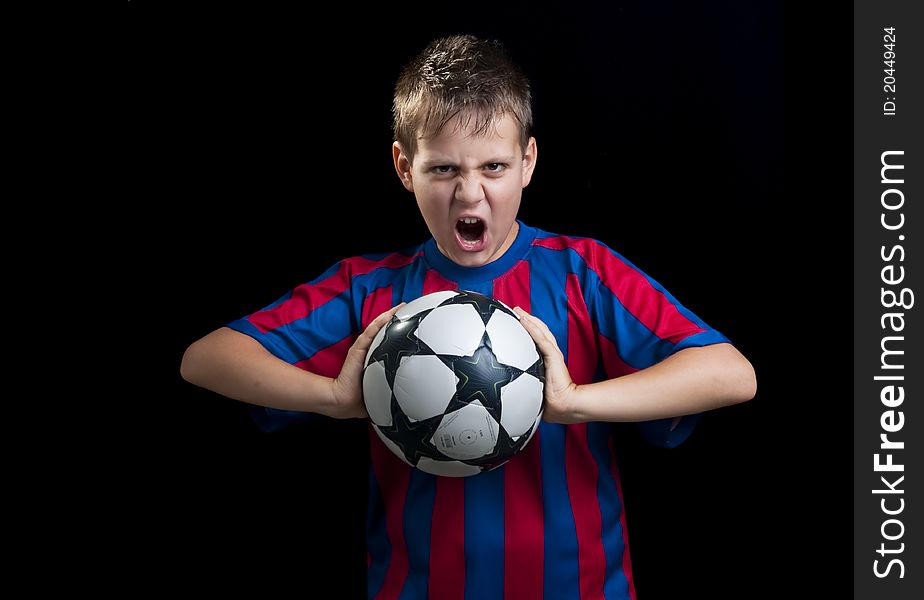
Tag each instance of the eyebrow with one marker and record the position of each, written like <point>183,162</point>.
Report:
<point>436,162</point>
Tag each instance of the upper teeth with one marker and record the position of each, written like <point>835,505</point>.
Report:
<point>469,220</point>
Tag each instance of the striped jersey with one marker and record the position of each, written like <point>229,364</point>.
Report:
<point>550,522</point>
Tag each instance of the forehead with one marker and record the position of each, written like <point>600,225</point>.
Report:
<point>453,141</point>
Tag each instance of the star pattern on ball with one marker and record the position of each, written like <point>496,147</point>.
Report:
<point>413,437</point>
<point>399,342</point>
<point>481,378</point>
<point>485,306</point>
<point>478,379</point>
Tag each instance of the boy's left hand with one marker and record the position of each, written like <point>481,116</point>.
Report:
<point>560,391</point>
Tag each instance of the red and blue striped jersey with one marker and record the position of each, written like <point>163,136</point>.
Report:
<point>550,522</point>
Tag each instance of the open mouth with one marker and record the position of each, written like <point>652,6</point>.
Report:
<point>470,233</point>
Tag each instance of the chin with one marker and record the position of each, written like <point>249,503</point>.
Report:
<point>468,259</point>
<point>479,260</point>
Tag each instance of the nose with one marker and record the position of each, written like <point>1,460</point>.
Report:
<point>469,189</point>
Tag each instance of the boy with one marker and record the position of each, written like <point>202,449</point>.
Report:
<point>549,522</point>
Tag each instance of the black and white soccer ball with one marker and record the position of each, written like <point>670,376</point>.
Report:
<point>454,384</point>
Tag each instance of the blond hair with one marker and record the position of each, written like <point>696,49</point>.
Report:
<point>462,76</point>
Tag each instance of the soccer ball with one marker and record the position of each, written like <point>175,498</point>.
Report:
<point>454,384</point>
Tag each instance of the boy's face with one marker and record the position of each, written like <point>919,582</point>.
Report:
<point>468,188</point>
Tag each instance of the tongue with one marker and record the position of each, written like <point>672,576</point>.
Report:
<point>470,232</point>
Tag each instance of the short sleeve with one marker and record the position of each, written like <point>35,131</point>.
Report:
<point>311,327</point>
<point>640,324</point>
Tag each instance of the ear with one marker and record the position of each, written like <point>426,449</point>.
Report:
<point>402,166</point>
<point>529,161</point>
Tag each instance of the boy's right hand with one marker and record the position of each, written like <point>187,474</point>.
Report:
<point>347,388</point>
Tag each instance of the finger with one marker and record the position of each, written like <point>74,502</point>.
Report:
<point>378,322</point>
<point>544,328</point>
<point>520,313</point>
<point>364,340</point>
<point>543,337</point>
<point>538,323</point>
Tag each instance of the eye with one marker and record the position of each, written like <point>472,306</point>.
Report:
<point>443,169</point>
<point>495,167</point>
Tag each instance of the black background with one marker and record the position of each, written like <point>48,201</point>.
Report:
<point>709,145</point>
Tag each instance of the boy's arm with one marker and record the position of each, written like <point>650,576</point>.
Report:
<point>690,381</point>
<point>236,365</point>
